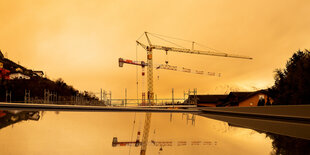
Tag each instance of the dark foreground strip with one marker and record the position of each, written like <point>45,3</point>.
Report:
<point>261,116</point>
<point>291,129</point>
<point>47,107</point>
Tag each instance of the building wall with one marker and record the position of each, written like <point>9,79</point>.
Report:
<point>18,76</point>
<point>252,101</point>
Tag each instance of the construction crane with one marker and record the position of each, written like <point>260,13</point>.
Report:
<point>122,61</point>
<point>148,115</point>
<point>147,122</point>
<point>150,47</point>
<point>150,86</point>
<point>116,143</point>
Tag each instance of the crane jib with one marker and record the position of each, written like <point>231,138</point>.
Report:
<point>185,50</point>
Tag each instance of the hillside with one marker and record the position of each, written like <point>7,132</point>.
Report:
<point>20,84</point>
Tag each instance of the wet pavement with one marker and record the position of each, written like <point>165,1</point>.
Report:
<point>65,132</point>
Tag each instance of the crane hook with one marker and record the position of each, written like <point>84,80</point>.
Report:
<point>167,57</point>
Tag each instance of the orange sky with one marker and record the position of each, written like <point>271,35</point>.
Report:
<point>81,41</point>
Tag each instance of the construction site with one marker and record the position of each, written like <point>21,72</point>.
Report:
<point>154,77</point>
<point>148,96</point>
<point>239,109</point>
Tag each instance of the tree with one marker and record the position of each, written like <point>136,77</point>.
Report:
<point>285,145</point>
<point>292,84</point>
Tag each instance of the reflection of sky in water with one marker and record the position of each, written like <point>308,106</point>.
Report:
<point>92,133</point>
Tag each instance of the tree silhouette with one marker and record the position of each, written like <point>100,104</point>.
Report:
<point>284,145</point>
<point>292,84</point>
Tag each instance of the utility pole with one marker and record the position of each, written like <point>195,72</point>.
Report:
<point>110,98</point>
<point>195,95</point>
<point>125,97</point>
<point>105,96</point>
<point>47,96</point>
<point>56,97</point>
<point>27,96</point>
<point>189,99</point>
<point>193,118</point>
<point>193,43</point>
<point>101,94</point>
<point>172,96</point>
<point>8,94</point>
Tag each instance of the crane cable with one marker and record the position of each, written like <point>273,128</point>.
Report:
<point>137,76</point>
<point>166,40</point>
<point>133,128</point>
<point>199,44</point>
<point>134,122</point>
<point>140,36</point>
<point>196,43</point>
<point>171,37</point>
